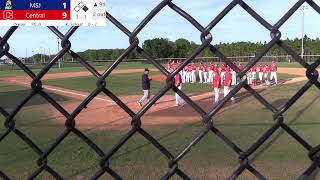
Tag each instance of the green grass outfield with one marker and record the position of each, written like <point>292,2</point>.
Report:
<point>281,157</point>
<point>125,65</point>
<point>130,84</point>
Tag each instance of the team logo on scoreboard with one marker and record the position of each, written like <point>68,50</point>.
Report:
<point>8,13</point>
<point>8,5</point>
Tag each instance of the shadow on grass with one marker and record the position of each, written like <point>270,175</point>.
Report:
<point>272,141</point>
<point>11,99</point>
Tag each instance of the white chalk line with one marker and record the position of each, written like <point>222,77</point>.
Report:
<point>66,92</point>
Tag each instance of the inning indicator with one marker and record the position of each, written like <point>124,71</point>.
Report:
<point>52,12</point>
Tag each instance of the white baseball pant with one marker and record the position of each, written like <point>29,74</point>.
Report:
<point>226,91</point>
<point>273,75</point>
<point>200,76</point>
<point>216,95</point>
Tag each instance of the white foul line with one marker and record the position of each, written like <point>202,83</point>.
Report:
<point>67,92</point>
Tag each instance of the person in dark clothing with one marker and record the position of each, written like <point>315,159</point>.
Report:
<point>145,82</point>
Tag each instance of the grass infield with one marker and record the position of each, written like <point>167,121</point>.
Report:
<point>130,84</point>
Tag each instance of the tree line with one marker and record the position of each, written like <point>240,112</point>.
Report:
<point>181,48</point>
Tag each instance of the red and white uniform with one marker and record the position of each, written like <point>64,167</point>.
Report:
<point>254,74</point>
<point>184,74</point>
<point>193,73</point>
<point>227,79</point>
<point>215,67</point>
<point>205,74</point>
<point>211,72</point>
<point>188,75</point>
<point>240,67</point>
<point>177,80</point>
<point>234,77</point>
<point>266,71</point>
<point>173,66</point>
<point>227,84</point>
<point>223,72</point>
<point>178,84</point>
<point>260,70</point>
<point>201,73</point>
<point>168,67</point>
<point>273,74</point>
<point>216,86</point>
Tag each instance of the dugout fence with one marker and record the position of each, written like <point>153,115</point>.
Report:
<point>137,126</point>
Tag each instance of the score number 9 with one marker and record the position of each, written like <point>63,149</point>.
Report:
<point>64,14</point>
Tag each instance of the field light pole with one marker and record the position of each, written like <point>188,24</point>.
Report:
<point>302,38</point>
<point>41,54</point>
<point>59,61</point>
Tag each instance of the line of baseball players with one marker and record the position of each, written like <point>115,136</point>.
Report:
<point>205,73</point>
<point>213,74</point>
<point>224,76</point>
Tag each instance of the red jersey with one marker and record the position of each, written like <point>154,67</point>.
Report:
<point>200,68</point>
<point>211,68</point>
<point>204,69</point>
<point>168,66</point>
<point>266,69</point>
<point>193,68</point>
<point>261,68</point>
<point>240,67</point>
<point>177,80</point>
<point>228,79</point>
<point>273,68</point>
<point>254,69</point>
<point>189,69</point>
<point>228,68</point>
<point>215,68</point>
<point>185,68</point>
<point>223,68</point>
<point>173,66</point>
<point>216,81</point>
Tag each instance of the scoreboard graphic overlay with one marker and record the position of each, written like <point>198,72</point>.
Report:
<point>52,12</point>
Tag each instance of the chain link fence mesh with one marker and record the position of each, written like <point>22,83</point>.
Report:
<point>137,126</point>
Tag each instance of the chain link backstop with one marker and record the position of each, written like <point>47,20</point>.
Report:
<point>137,126</point>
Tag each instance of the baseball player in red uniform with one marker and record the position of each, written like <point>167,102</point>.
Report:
<point>188,74</point>
<point>211,67</point>
<point>205,73</point>
<point>249,76</point>
<point>222,72</point>
<point>241,68</point>
<point>254,75</point>
<point>216,86</point>
<point>184,74</point>
<point>178,84</point>
<point>266,71</point>
<point>273,72</point>
<point>234,77</point>
<point>227,84</point>
<point>193,73</point>
<point>260,70</point>
<point>168,66</point>
<point>200,69</point>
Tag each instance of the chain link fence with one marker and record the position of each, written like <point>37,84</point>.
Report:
<point>137,126</point>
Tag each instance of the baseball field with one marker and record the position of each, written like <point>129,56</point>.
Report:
<point>280,157</point>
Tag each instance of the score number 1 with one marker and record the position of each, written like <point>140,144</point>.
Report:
<point>64,14</point>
